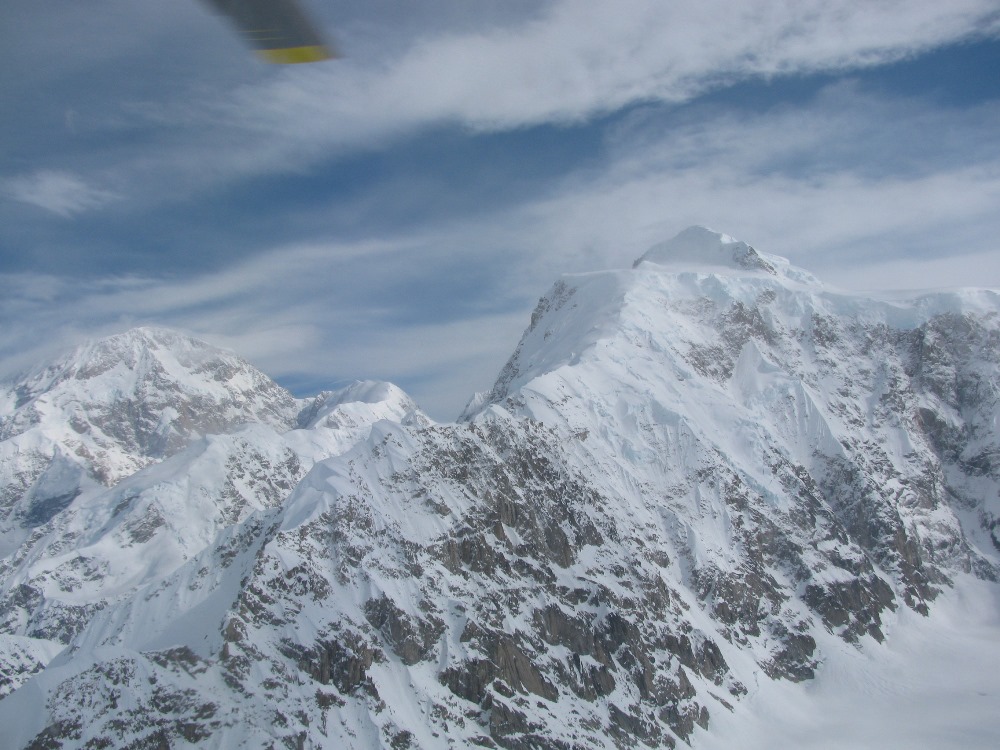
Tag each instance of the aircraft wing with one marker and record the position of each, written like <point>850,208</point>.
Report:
<point>278,30</point>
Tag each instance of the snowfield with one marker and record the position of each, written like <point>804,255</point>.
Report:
<point>933,685</point>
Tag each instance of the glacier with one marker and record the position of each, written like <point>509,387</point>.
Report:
<point>709,500</point>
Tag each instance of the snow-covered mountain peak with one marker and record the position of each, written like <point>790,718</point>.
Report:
<point>704,250</point>
<point>146,360</point>
<point>371,392</point>
<point>143,358</point>
<point>706,340</point>
<point>117,404</point>
<point>700,247</point>
<point>361,404</point>
<point>135,345</point>
<point>681,293</point>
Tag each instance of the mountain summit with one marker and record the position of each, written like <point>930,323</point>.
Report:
<point>694,480</point>
<point>115,406</point>
<point>705,248</point>
<point>702,249</point>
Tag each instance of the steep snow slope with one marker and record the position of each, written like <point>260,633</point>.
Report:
<point>696,483</point>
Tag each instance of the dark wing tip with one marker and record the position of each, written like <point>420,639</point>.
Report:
<point>278,30</point>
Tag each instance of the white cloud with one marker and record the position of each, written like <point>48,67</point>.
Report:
<point>62,193</point>
<point>569,62</point>
<point>583,58</point>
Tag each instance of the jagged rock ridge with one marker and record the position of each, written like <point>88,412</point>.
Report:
<point>688,478</point>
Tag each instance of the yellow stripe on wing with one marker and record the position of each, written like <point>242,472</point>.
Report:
<point>293,55</point>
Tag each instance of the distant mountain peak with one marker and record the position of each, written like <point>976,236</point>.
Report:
<point>360,404</point>
<point>701,249</point>
<point>136,350</point>
<point>147,343</point>
<point>119,402</point>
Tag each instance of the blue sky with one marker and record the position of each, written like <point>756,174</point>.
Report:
<point>395,214</point>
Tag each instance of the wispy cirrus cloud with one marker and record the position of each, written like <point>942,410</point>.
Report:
<point>63,193</point>
<point>566,63</point>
